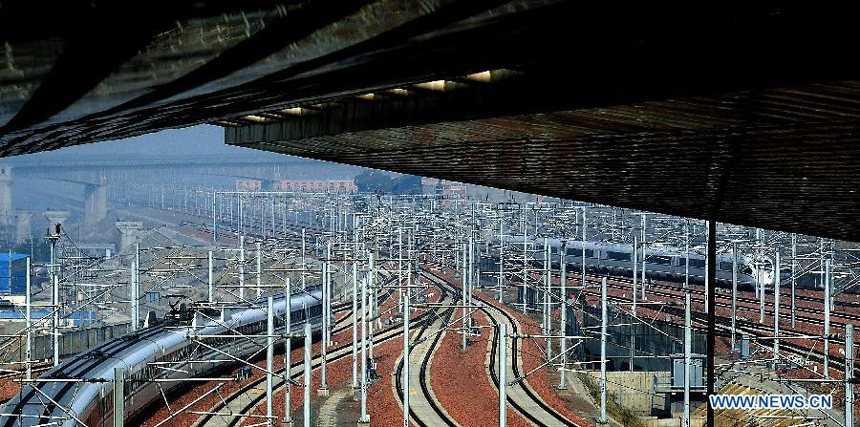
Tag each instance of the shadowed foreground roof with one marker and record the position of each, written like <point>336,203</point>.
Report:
<point>747,114</point>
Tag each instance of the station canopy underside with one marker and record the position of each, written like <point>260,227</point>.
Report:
<point>745,114</point>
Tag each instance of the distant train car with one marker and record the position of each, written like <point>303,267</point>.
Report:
<point>660,263</point>
<point>70,403</point>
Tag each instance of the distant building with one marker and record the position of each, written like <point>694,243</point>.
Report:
<point>429,185</point>
<point>453,189</point>
<point>298,185</point>
<point>316,186</point>
<point>441,187</point>
<point>248,185</point>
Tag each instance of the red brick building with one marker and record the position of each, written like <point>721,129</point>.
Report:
<point>316,186</point>
<point>248,185</point>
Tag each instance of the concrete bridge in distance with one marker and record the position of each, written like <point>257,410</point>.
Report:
<point>95,172</point>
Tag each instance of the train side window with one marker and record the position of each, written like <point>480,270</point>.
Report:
<point>662,260</point>
<point>747,270</point>
<point>577,252</point>
<point>725,265</point>
<point>107,403</point>
<point>696,263</point>
<point>617,256</point>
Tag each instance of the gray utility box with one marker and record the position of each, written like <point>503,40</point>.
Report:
<point>696,375</point>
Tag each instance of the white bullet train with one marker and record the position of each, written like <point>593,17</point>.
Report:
<point>660,263</point>
<point>143,354</point>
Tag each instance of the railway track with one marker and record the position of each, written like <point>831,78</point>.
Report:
<point>36,369</point>
<point>520,396</point>
<point>662,289</point>
<point>228,230</point>
<point>428,411</point>
<point>764,330</point>
<point>697,296</point>
<point>232,417</point>
<point>755,329</point>
<point>754,303</point>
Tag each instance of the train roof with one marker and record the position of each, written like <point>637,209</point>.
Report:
<point>650,250</point>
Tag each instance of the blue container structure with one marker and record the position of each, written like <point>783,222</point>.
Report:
<point>13,275</point>
<point>78,318</point>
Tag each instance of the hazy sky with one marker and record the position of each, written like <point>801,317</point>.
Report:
<point>205,139</point>
<point>38,194</point>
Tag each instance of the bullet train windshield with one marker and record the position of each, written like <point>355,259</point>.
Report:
<point>665,263</point>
